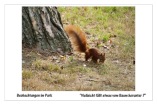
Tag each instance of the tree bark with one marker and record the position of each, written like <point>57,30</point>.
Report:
<point>42,28</point>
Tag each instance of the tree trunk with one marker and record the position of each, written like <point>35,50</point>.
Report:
<point>42,28</point>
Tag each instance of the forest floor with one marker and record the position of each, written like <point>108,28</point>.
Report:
<point>112,27</point>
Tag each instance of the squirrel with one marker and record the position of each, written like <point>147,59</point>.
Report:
<point>79,43</point>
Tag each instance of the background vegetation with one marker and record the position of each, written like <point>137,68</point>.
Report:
<point>109,29</point>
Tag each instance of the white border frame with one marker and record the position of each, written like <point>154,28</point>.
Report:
<point>10,68</point>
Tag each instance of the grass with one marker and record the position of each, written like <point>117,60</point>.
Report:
<point>27,74</point>
<point>113,27</point>
<point>44,65</point>
<point>106,37</point>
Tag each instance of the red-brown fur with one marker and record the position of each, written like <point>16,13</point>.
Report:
<point>95,54</point>
<point>79,43</point>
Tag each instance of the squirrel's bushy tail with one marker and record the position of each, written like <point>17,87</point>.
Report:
<point>77,38</point>
<point>79,43</point>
